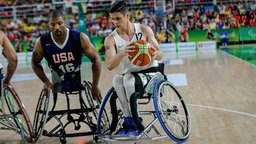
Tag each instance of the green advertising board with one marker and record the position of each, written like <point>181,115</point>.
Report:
<point>200,35</point>
<point>197,35</point>
<point>247,33</point>
<point>233,34</point>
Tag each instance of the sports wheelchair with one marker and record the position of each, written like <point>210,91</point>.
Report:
<point>67,120</point>
<point>169,111</point>
<point>13,114</point>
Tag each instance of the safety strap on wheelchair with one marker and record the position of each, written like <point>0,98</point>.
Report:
<point>138,82</point>
<point>160,69</point>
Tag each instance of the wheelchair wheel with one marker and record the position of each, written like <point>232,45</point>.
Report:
<point>17,113</point>
<point>172,111</point>
<point>96,103</point>
<point>114,117</point>
<point>41,114</point>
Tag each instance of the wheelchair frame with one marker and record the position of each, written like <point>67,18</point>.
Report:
<point>82,116</point>
<point>170,111</point>
<point>14,116</point>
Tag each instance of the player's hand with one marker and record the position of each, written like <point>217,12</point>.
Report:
<point>156,52</point>
<point>96,93</point>
<point>47,88</point>
<point>128,49</point>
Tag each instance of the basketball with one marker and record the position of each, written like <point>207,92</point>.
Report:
<point>142,54</point>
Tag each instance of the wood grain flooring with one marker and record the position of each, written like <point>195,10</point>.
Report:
<point>221,96</point>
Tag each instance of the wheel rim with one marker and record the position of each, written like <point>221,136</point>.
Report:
<point>41,114</point>
<point>172,112</point>
<point>20,116</point>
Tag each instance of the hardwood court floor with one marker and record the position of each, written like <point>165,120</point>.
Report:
<point>220,94</point>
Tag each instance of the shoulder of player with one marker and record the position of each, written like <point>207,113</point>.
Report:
<point>83,36</point>
<point>146,30</point>
<point>144,27</point>
<point>109,41</point>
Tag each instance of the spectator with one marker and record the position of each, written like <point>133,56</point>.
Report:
<point>161,36</point>
<point>212,24</point>
<point>224,37</point>
<point>209,35</point>
<point>19,46</point>
<point>183,35</point>
<point>170,36</point>
<point>31,45</point>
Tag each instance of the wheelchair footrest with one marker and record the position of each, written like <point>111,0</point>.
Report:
<point>68,134</point>
<point>119,138</point>
<point>71,111</point>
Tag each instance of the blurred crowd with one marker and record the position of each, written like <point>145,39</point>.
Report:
<point>179,19</point>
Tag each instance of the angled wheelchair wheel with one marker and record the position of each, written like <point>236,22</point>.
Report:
<point>41,114</point>
<point>96,103</point>
<point>111,106</point>
<point>171,111</point>
<point>16,113</point>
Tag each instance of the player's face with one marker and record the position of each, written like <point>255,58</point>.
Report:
<point>118,19</point>
<point>57,26</point>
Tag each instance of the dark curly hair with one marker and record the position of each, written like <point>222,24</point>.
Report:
<point>119,6</point>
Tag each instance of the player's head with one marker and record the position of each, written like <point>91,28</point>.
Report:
<point>57,24</point>
<point>119,13</point>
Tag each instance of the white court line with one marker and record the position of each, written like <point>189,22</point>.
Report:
<point>223,109</point>
<point>26,76</point>
<point>177,79</point>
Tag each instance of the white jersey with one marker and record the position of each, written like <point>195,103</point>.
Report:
<point>126,65</point>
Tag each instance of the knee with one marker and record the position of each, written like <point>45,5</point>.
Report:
<point>117,81</point>
<point>128,80</point>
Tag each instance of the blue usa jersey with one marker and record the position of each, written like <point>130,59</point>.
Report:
<point>65,59</point>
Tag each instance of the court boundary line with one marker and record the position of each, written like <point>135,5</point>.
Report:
<point>223,109</point>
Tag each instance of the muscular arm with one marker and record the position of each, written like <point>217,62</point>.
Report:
<point>37,57</point>
<point>150,37</point>
<point>11,56</point>
<point>92,54</point>
<point>112,58</point>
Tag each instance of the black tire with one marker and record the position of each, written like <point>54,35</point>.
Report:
<point>41,114</point>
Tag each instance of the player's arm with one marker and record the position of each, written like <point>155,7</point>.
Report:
<point>37,57</point>
<point>91,52</point>
<point>112,58</point>
<point>11,56</point>
<point>150,37</point>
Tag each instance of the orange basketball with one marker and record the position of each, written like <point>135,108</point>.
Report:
<point>142,55</point>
